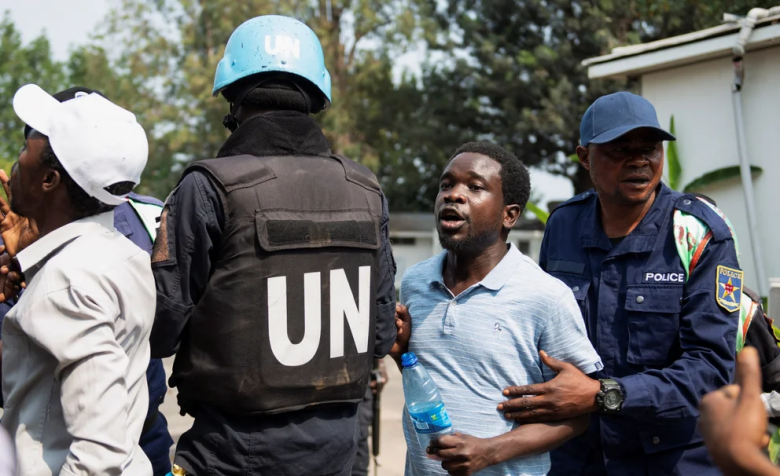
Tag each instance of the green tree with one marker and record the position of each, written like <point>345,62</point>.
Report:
<point>21,64</point>
<point>519,64</point>
<point>168,51</point>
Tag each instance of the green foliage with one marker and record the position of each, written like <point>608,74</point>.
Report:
<point>20,64</point>
<point>519,71</point>
<point>673,159</point>
<point>495,70</point>
<point>540,214</point>
<point>720,175</point>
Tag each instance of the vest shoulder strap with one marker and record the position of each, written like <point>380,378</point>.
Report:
<point>232,173</point>
<point>358,174</point>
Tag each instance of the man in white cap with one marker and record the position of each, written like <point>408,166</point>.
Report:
<point>75,347</point>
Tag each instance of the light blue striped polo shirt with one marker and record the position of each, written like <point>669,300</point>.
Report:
<point>485,339</point>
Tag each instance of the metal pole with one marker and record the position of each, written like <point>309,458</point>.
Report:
<point>747,180</point>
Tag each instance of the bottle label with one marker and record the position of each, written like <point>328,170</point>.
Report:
<point>432,421</point>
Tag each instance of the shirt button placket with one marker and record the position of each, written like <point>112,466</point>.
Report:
<point>449,317</point>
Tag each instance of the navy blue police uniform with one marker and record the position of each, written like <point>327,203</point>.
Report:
<point>155,440</point>
<point>665,340</point>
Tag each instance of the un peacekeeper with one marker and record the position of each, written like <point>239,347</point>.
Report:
<point>665,338</point>
<point>274,273</point>
<point>136,220</point>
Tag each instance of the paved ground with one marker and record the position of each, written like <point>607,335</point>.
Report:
<point>393,446</point>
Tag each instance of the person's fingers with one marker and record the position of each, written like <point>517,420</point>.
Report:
<point>765,440</point>
<point>443,453</point>
<point>535,389</point>
<point>446,441</point>
<point>402,313</point>
<point>730,391</point>
<point>749,373</point>
<point>523,404</point>
<point>551,362</point>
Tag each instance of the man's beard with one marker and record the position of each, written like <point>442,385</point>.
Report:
<point>620,197</point>
<point>471,242</point>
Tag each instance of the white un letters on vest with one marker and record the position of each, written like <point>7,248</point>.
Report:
<point>342,306</point>
<point>283,45</point>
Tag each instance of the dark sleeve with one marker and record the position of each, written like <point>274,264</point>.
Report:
<point>761,336</point>
<point>385,293</point>
<point>707,337</point>
<point>190,231</point>
<point>543,249</point>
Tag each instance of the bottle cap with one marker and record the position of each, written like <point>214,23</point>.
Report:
<point>408,359</point>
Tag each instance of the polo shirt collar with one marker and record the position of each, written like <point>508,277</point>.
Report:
<point>38,252</point>
<point>495,279</point>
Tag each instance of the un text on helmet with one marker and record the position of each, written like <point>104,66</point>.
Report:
<point>283,45</point>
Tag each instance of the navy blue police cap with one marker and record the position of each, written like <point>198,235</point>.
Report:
<point>614,115</point>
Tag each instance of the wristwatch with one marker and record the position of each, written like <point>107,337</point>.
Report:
<point>610,397</point>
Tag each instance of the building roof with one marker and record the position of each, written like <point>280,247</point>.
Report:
<point>415,221</point>
<point>693,47</point>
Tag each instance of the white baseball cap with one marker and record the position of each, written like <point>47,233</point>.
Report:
<point>97,142</point>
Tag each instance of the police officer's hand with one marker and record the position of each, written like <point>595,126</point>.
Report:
<point>403,324</point>
<point>733,421</point>
<point>17,231</point>
<point>570,394</point>
<point>462,455</point>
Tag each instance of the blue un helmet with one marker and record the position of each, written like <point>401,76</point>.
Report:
<point>272,44</point>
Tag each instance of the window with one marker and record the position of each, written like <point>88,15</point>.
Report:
<point>403,241</point>
<point>524,247</point>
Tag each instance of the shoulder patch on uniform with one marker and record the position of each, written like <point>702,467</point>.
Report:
<point>728,288</point>
<point>711,216</point>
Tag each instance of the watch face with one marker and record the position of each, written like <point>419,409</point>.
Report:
<point>612,399</point>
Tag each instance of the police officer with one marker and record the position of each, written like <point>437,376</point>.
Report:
<point>274,272</point>
<point>135,219</point>
<point>665,338</point>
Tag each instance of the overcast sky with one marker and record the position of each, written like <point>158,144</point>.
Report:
<point>70,22</point>
<point>66,22</point>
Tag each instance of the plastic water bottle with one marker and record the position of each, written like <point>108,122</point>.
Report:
<point>423,402</point>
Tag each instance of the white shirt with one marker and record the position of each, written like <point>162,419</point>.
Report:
<point>75,353</point>
<point>486,339</point>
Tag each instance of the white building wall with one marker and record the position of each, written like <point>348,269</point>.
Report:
<point>699,95</point>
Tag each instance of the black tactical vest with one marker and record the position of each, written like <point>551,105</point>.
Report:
<point>287,319</point>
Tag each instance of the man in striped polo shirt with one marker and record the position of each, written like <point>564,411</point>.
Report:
<point>478,315</point>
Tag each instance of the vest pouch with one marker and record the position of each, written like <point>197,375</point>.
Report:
<point>653,313</point>
<point>282,229</point>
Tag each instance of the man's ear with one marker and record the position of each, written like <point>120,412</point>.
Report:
<point>51,179</point>
<point>511,215</point>
<point>583,153</point>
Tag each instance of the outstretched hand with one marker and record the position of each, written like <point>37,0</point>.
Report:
<point>570,394</point>
<point>734,422</point>
<point>18,232</point>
